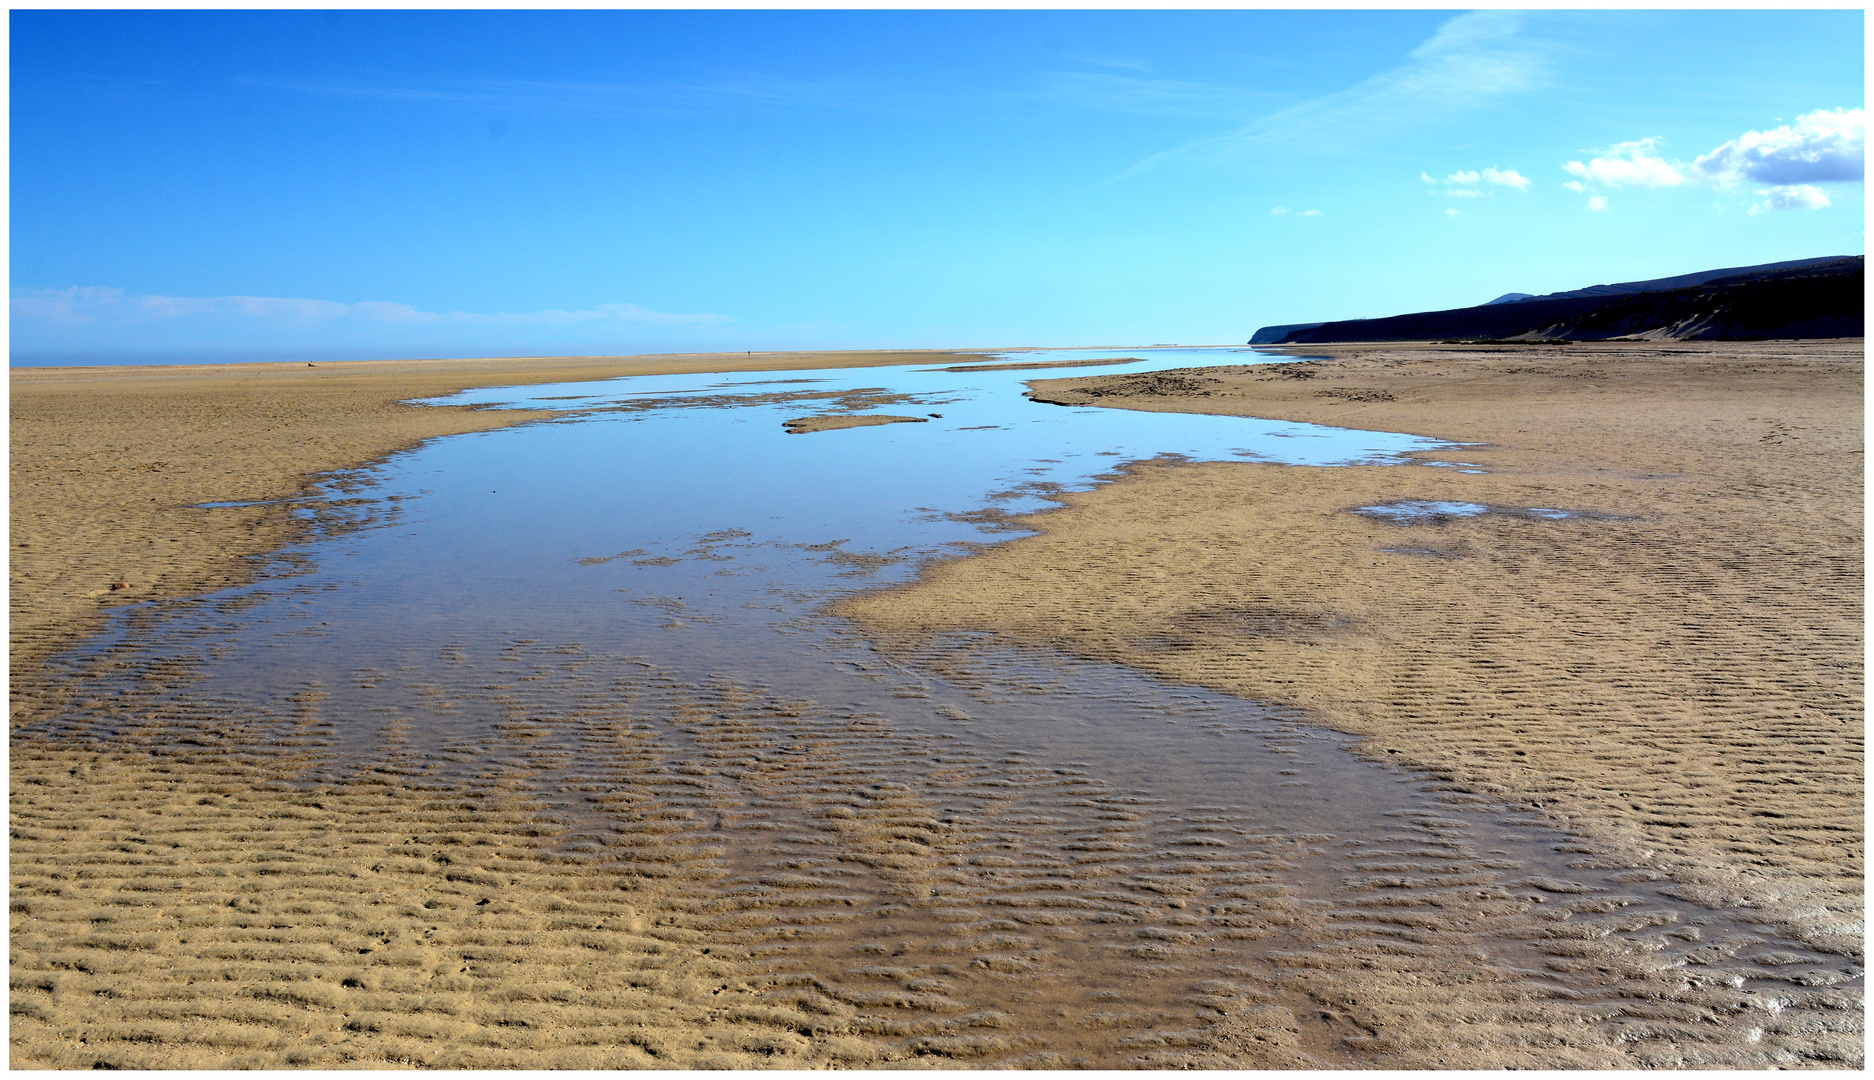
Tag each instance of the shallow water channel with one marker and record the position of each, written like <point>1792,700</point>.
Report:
<point>976,852</point>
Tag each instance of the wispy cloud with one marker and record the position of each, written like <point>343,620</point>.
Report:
<point>1283,211</point>
<point>1118,89</point>
<point>1822,146</point>
<point>96,320</point>
<point>1125,63</point>
<point>593,99</point>
<point>1137,94</point>
<point>84,305</point>
<point>1474,60</point>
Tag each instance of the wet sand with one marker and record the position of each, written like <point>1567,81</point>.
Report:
<point>658,873</point>
<point>1675,673</point>
<point>106,464</point>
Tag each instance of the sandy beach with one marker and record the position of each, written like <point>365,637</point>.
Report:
<point>1672,674</point>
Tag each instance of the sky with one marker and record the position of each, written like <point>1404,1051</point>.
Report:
<point>221,186</point>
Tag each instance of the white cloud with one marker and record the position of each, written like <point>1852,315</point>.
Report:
<point>1821,146</point>
<point>1451,211</point>
<point>1791,197</point>
<point>1628,164</point>
<point>1283,211</point>
<point>1507,178</point>
<point>1427,177</point>
<point>1466,181</point>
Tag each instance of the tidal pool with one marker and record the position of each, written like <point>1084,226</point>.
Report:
<point>1422,510</point>
<point>621,604</point>
<point>1436,512</point>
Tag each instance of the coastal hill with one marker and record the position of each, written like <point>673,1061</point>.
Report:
<point>1807,298</point>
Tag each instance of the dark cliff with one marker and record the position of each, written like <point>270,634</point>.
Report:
<point>1812,298</point>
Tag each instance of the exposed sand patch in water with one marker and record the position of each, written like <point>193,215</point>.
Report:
<point>806,425</point>
<point>1685,687</point>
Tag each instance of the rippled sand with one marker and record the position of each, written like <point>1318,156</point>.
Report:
<point>1676,673</point>
<point>637,870</point>
<point>649,873</point>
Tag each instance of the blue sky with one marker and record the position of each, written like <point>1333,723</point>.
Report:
<point>286,185</point>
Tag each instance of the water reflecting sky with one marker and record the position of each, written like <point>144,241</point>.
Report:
<point>672,518</point>
<point>686,469</point>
